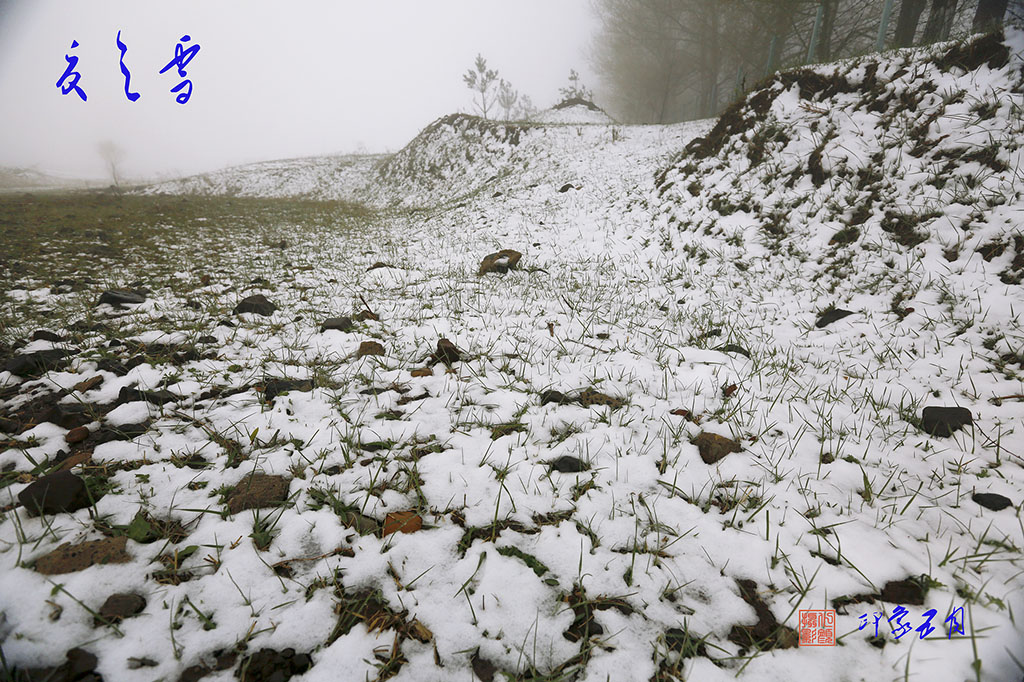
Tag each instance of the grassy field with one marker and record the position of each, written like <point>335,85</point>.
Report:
<point>97,240</point>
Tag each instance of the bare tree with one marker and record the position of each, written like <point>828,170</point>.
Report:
<point>906,24</point>
<point>940,20</point>
<point>483,82</point>
<point>112,155</point>
<point>507,98</point>
<point>576,89</point>
<point>990,15</point>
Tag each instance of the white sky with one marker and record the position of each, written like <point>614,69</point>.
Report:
<point>272,79</point>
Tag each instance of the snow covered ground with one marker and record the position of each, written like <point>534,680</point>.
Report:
<point>652,450</point>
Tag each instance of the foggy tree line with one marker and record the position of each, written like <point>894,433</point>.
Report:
<point>495,98</point>
<point>662,61</point>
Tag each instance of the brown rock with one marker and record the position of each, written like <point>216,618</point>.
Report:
<point>369,348</point>
<point>69,558</point>
<point>500,262</point>
<point>590,397</point>
<point>447,352</point>
<point>257,492</point>
<point>77,435</point>
<point>908,592</point>
<point>713,447</point>
<point>122,605</point>
<point>58,492</point>
<point>89,384</point>
<point>402,522</point>
<point>422,372</point>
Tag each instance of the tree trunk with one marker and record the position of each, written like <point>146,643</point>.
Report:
<point>823,50</point>
<point>940,20</point>
<point>906,25</point>
<point>989,15</point>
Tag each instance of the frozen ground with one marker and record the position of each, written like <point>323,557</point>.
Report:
<point>671,286</point>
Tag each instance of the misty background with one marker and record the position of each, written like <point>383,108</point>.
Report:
<point>271,80</point>
<point>323,77</point>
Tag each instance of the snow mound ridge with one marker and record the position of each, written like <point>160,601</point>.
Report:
<point>326,178</point>
<point>574,111</point>
<point>912,155</point>
<point>460,155</point>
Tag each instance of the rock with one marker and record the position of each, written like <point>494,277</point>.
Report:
<point>275,387</point>
<point>905,592</point>
<point>402,522</point>
<point>590,397</point>
<point>44,335</point>
<point>59,492</point>
<point>80,666</point>
<point>257,492</point>
<point>566,187</point>
<point>341,324</point>
<point>70,558</point>
<point>943,421</point>
<point>120,297</point>
<point>422,372</point>
<point>105,434</point>
<point>500,262</point>
<point>268,665</point>
<point>122,605</point>
<point>76,435</point>
<point>68,416</point>
<point>733,348</point>
<point>557,397</point>
<point>113,366</point>
<point>506,429</point>
<point>832,315</point>
<point>568,465</point>
<point>446,352</point>
<point>993,501</point>
<point>89,384</point>
<point>369,348</point>
<point>257,304</point>
<point>767,633</point>
<point>713,447</point>
<point>132,395</point>
<point>38,363</point>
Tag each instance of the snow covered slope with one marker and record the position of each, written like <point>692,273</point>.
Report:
<point>460,156</point>
<point>700,404</point>
<point>320,177</point>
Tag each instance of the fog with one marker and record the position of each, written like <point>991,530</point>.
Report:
<point>271,80</point>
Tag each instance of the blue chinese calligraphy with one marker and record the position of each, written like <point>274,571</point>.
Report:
<point>74,76</point>
<point>132,96</point>
<point>181,59</point>
<point>899,628</point>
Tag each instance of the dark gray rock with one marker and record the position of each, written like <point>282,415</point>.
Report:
<point>68,416</point>
<point>568,465</point>
<point>275,387</point>
<point>56,493</point>
<point>131,395</point>
<point>257,304</point>
<point>45,335</point>
<point>38,363</point>
<point>829,316</point>
<point>120,297</point>
<point>552,396</point>
<point>944,421</point>
<point>341,324</point>
<point>993,501</point>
